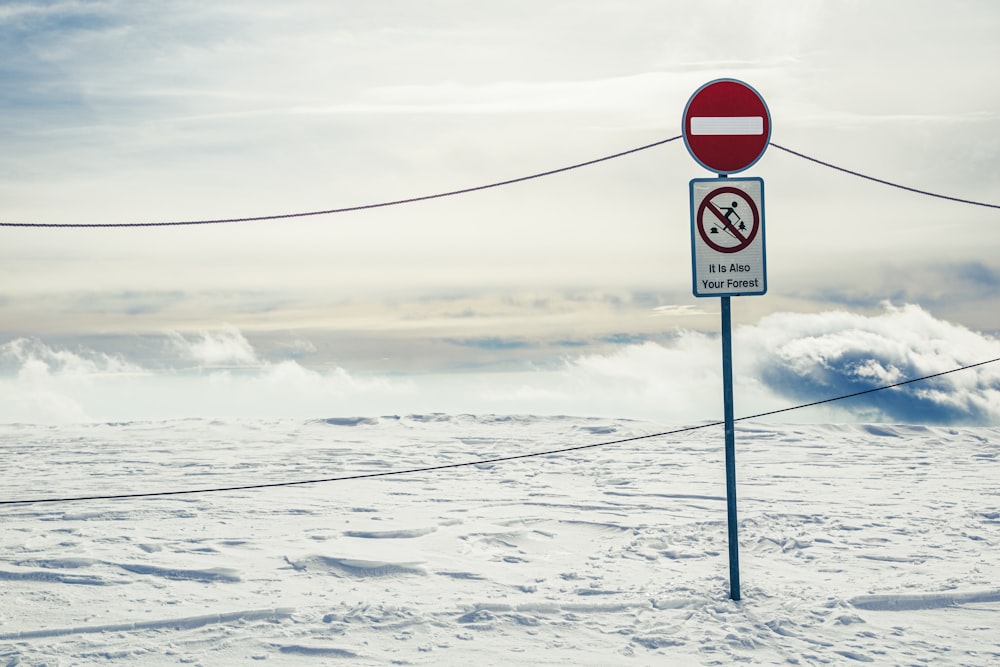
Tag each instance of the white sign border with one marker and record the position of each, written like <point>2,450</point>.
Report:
<point>735,256</point>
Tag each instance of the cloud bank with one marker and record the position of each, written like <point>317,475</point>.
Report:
<point>813,357</point>
<point>783,360</point>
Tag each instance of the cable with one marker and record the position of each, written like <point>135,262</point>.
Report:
<point>868,391</point>
<point>500,459</point>
<point>385,473</point>
<point>347,209</point>
<point>451,193</point>
<point>412,200</point>
<point>883,182</point>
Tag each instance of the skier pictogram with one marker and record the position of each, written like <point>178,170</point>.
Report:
<point>729,212</point>
<point>722,227</point>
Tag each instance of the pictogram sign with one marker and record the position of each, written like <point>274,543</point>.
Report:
<point>728,219</point>
<point>727,237</point>
<point>726,126</point>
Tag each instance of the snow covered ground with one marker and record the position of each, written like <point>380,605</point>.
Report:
<point>859,544</point>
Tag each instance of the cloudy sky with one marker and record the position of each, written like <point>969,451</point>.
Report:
<point>564,294</point>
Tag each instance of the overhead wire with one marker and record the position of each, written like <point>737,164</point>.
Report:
<point>883,181</point>
<point>346,209</point>
<point>480,462</point>
<point>477,188</point>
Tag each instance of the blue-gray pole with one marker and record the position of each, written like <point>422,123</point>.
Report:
<point>727,397</point>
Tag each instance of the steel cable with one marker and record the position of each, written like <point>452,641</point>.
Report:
<point>499,459</point>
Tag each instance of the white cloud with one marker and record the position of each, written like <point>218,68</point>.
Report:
<point>38,358</point>
<point>686,310</point>
<point>784,360</point>
<point>621,94</point>
<point>50,383</point>
<point>812,357</point>
<point>226,346</point>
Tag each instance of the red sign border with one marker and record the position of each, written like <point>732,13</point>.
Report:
<point>685,121</point>
<point>742,194</point>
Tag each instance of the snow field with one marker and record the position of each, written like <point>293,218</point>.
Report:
<point>868,544</point>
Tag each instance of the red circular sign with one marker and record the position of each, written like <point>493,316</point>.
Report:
<point>727,126</point>
<point>728,220</point>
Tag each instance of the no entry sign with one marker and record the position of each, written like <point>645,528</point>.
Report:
<point>727,126</point>
<point>727,237</point>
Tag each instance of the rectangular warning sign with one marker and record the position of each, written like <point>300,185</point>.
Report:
<point>727,237</point>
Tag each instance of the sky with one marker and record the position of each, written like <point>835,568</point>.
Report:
<point>566,294</point>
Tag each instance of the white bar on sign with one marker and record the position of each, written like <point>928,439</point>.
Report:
<point>727,125</point>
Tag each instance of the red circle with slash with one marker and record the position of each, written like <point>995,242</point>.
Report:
<point>711,215</point>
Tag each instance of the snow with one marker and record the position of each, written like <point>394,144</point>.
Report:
<point>858,544</point>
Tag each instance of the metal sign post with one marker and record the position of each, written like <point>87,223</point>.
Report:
<point>726,128</point>
<point>727,401</point>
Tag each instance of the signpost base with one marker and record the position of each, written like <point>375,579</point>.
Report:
<point>727,396</point>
